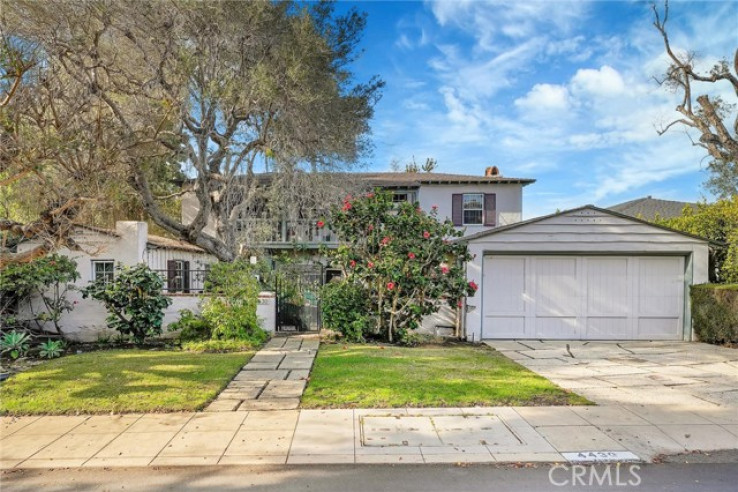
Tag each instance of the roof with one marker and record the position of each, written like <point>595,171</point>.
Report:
<point>649,208</point>
<point>398,179</point>
<point>152,241</point>
<point>578,209</point>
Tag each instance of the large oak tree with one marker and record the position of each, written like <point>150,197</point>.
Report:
<point>222,89</point>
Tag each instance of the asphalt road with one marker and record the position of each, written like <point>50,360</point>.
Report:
<point>688,473</point>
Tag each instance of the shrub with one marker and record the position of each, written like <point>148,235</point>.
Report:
<point>222,345</point>
<point>345,308</point>
<point>229,308</point>
<point>15,344</point>
<point>134,300</point>
<point>51,349</point>
<point>48,279</point>
<point>191,327</point>
<point>715,313</point>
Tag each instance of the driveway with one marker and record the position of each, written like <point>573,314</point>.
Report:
<point>685,375</point>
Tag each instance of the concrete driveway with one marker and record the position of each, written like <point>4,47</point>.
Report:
<point>684,375</point>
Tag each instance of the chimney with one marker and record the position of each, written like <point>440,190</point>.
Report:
<point>491,171</point>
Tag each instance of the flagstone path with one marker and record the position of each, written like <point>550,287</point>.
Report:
<point>274,379</point>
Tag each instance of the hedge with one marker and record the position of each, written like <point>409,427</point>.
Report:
<point>715,312</point>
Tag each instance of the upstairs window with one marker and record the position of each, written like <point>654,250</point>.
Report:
<point>103,269</point>
<point>473,208</point>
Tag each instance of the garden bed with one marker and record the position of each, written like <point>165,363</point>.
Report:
<point>449,375</point>
<point>120,381</point>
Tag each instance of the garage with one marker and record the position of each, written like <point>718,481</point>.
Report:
<point>584,274</point>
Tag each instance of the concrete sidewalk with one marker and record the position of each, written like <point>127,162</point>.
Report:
<point>447,435</point>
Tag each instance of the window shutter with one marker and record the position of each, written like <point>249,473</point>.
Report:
<point>171,275</point>
<point>490,209</point>
<point>186,278</point>
<point>457,209</point>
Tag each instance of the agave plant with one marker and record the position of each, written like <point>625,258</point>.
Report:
<point>15,343</point>
<point>51,349</point>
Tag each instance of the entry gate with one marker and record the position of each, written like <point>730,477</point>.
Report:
<point>298,296</point>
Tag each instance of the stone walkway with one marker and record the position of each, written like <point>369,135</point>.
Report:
<point>274,379</point>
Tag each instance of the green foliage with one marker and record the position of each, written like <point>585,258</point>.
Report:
<point>718,222</point>
<point>407,259</point>
<point>231,298</point>
<point>51,349</point>
<point>715,313</point>
<point>15,344</point>
<point>220,346</point>
<point>191,327</point>
<point>345,307</point>
<point>47,279</point>
<point>134,301</point>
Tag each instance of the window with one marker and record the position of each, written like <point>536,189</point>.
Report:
<point>178,276</point>
<point>103,269</point>
<point>402,196</point>
<point>473,209</point>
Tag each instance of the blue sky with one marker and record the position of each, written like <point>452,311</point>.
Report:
<point>557,91</point>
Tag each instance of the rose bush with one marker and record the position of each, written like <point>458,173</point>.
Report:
<point>406,259</point>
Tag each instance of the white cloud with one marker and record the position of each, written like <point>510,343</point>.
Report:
<point>545,97</point>
<point>606,81</point>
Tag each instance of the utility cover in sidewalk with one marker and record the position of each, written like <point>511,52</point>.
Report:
<point>600,457</point>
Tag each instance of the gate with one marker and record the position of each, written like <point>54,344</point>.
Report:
<point>298,302</point>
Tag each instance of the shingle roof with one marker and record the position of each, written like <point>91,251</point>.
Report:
<point>154,241</point>
<point>416,179</point>
<point>648,208</point>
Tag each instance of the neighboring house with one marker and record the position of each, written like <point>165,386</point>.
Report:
<point>585,274</point>
<point>182,266</point>
<point>649,208</point>
<point>475,203</point>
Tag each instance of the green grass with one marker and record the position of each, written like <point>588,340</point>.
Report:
<point>120,381</point>
<point>371,376</point>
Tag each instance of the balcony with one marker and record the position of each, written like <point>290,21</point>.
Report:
<point>285,234</point>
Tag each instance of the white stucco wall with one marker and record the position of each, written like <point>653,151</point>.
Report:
<point>588,231</point>
<point>509,201</point>
<point>86,322</point>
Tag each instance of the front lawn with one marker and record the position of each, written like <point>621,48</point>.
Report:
<point>371,376</point>
<point>120,381</point>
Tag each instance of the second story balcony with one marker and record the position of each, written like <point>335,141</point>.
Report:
<point>286,233</point>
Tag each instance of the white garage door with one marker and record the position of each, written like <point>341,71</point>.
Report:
<point>583,297</point>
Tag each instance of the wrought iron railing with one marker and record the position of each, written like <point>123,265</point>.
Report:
<point>183,280</point>
<point>266,231</point>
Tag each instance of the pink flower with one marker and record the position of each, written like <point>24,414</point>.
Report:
<point>370,264</point>
<point>426,234</point>
<point>411,255</point>
<point>459,304</point>
<point>385,241</point>
<point>444,269</point>
<point>348,198</point>
<point>390,285</point>
<point>346,206</point>
<point>370,228</point>
<point>352,263</point>
<point>320,224</point>
<point>473,285</point>
<point>435,207</point>
<point>370,195</point>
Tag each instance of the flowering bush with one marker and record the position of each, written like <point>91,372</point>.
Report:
<point>406,259</point>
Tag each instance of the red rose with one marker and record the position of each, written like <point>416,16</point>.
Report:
<point>426,234</point>
<point>473,285</point>
<point>320,224</point>
<point>352,263</point>
<point>411,255</point>
<point>390,285</point>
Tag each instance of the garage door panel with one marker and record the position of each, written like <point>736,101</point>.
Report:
<point>506,284</point>
<point>556,287</point>
<point>607,286</point>
<point>558,327</point>
<point>660,286</point>
<point>608,328</point>
<point>583,297</point>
